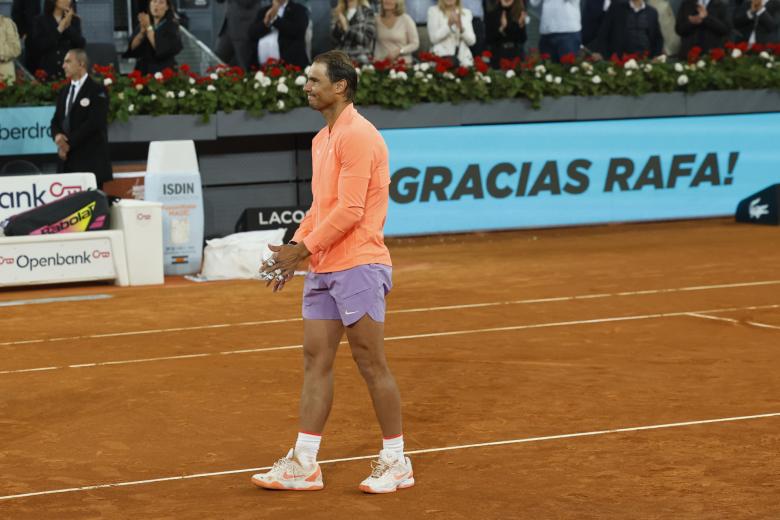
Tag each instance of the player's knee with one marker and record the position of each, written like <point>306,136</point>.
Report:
<point>317,362</point>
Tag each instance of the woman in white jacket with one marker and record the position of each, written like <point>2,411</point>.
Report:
<point>450,31</point>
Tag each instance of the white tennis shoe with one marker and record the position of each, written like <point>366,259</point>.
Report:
<point>388,474</point>
<point>289,474</point>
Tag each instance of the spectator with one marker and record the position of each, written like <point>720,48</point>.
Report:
<point>353,28</point>
<point>55,32</point>
<point>505,23</point>
<point>666,21</point>
<point>157,41</point>
<point>280,32</point>
<point>593,13</point>
<point>628,28</point>
<point>451,32</point>
<point>702,23</point>
<point>757,21</point>
<point>559,27</point>
<point>23,13</point>
<point>396,33</point>
<point>80,122</point>
<point>10,49</point>
<point>477,9</point>
<point>235,44</point>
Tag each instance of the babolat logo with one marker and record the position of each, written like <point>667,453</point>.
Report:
<point>78,221</point>
<point>179,188</point>
<point>280,217</point>
<point>22,198</point>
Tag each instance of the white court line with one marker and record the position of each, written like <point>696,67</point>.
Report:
<point>411,452</point>
<point>411,336</point>
<point>731,320</point>
<point>402,311</point>
<point>60,299</point>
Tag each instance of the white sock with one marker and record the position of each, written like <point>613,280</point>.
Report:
<point>394,445</point>
<point>306,447</point>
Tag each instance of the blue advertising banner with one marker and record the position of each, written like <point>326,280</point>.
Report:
<point>455,179</point>
<point>26,131</point>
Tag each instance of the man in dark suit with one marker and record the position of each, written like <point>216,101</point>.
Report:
<point>630,27</point>
<point>593,12</point>
<point>757,21</point>
<point>80,123</point>
<point>280,31</point>
<point>702,23</point>
<point>235,45</point>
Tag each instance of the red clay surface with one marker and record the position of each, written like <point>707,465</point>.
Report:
<point>694,336</point>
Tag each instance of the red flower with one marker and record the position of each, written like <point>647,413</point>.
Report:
<point>717,54</point>
<point>758,48</point>
<point>382,65</point>
<point>40,75</point>
<point>275,72</point>
<point>168,74</point>
<point>427,56</point>
<point>694,53</point>
<point>481,66</point>
<point>462,72</point>
<point>185,68</point>
<point>487,55</point>
<point>544,56</point>
<point>569,59</point>
<point>2,85</point>
<point>743,46</point>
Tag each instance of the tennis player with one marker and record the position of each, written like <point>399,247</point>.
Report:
<point>348,279</point>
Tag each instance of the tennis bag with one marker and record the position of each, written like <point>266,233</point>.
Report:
<point>81,211</point>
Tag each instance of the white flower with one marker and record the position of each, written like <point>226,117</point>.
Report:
<point>107,81</point>
<point>211,88</point>
<point>419,74</point>
<point>548,78</point>
<point>448,75</point>
<point>429,76</point>
<point>402,76</point>
<point>300,81</point>
<point>192,81</point>
<point>153,97</point>
<point>282,88</point>
<point>259,75</point>
<point>611,71</point>
<point>392,74</point>
<point>628,73</point>
<point>765,55</point>
<point>678,67</point>
<point>587,66</point>
<point>648,68</point>
<point>538,75</point>
<point>510,74</point>
<point>170,95</point>
<point>540,69</point>
<point>282,79</point>
<point>182,94</point>
<point>265,82</point>
<point>631,64</point>
<point>158,76</point>
<point>596,79</point>
<point>736,53</point>
<point>558,80</point>
<point>193,91</point>
<point>769,65</point>
<point>682,80</point>
<point>131,108</point>
<point>214,76</point>
<point>425,66</point>
<point>487,79</point>
<point>139,87</point>
<point>369,68</point>
<point>121,95</point>
<point>426,80</point>
<point>701,64</point>
<point>574,70</point>
<point>457,80</point>
<point>280,104</point>
<point>257,85</point>
<point>661,58</point>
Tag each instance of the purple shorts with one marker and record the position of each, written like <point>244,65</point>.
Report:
<point>347,295</point>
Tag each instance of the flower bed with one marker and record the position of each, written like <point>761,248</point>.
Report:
<point>277,87</point>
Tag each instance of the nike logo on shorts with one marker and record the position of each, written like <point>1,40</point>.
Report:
<point>348,313</point>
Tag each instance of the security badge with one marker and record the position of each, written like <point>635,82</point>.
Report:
<point>84,102</point>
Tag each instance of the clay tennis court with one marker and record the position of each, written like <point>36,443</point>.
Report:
<point>518,355</point>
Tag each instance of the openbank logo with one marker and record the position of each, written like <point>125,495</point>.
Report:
<point>31,263</point>
<point>59,190</point>
<point>36,195</point>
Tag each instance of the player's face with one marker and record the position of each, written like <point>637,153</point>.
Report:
<point>320,92</point>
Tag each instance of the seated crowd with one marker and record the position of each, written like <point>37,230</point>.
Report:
<point>367,31</point>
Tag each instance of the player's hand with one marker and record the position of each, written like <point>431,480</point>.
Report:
<point>280,268</point>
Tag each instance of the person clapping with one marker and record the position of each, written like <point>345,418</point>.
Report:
<point>55,32</point>
<point>157,41</point>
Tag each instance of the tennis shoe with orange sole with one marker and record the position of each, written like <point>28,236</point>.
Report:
<point>289,474</point>
<point>388,474</point>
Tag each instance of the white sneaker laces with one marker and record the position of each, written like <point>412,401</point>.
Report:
<point>379,468</point>
<point>282,465</point>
